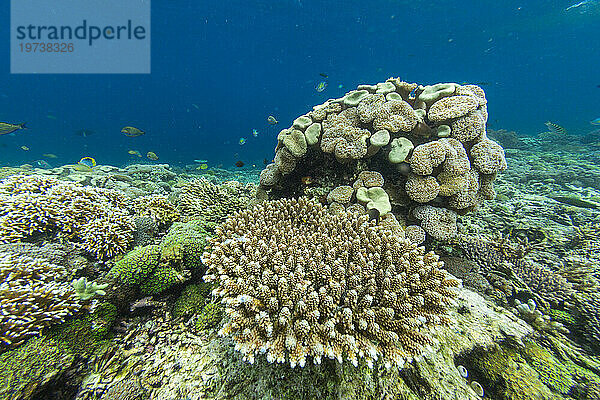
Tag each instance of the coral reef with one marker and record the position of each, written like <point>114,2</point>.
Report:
<point>206,201</point>
<point>155,268</point>
<point>297,282</point>
<point>96,220</point>
<point>428,143</point>
<point>156,206</point>
<point>32,297</point>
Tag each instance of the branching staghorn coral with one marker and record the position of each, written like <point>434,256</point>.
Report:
<point>32,297</point>
<point>96,220</point>
<point>298,282</point>
<point>204,200</point>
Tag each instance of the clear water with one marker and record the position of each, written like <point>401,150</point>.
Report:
<point>241,61</point>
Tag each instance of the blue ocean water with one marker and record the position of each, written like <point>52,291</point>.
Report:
<point>219,69</point>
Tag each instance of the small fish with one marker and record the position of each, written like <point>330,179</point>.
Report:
<point>239,164</point>
<point>272,120</point>
<point>577,5</point>
<point>152,156</point>
<point>50,155</point>
<point>24,148</point>
<point>42,164</point>
<point>195,106</point>
<point>242,141</point>
<point>374,215</point>
<point>201,161</point>
<point>324,75</point>
<point>203,166</point>
<point>50,116</point>
<point>78,167</point>
<point>340,86</point>
<point>595,121</point>
<point>134,153</point>
<point>554,128</point>
<point>84,132</point>
<point>131,131</point>
<point>254,133</point>
<point>6,128</point>
<point>87,162</point>
<point>413,94</point>
<point>321,86</point>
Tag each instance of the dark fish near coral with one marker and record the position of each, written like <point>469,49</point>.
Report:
<point>272,120</point>
<point>239,164</point>
<point>554,128</point>
<point>84,132</point>
<point>374,215</point>
<point>131,131</point>
<point>6,128</point>
<point>324,75</point>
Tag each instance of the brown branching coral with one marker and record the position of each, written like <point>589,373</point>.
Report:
<point>32,297</point>
<point>204,200</point>
<point>299,283</point>
<point>96,220</point>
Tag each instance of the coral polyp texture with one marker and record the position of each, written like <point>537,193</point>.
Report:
<point>428,143</point>
<point>96,220</point>
<point>299,283</point>
<point>32,297</point>
<point>201,199</point>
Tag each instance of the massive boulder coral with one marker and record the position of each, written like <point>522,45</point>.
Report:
<point>427,142</point>
<point>299,283</point>
<point>96,220</point>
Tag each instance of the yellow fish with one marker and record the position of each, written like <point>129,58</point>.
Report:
<point>87,162</point>
<point>272,120</point>
<point>25,148</point>
<point>130,131</point>
<point>152,156</point>
<point>202,166</point>
<point>50,155</point>
<point>6,128</point>
<point>134,153</point>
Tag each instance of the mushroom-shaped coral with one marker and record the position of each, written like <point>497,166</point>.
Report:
<point>400,149</point>
<point>422,189</point>
<point>451,107</point>
<point>299,283</point>
<point>340,194</point>
<point>342,136</point>
<point>395,116</point>
<point>488,157</point>
<point>368,179</point>
<point>374,198</point>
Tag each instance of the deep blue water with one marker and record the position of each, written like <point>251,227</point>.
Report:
<point>240,61</point>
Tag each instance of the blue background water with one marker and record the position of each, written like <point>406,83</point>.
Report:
<point>240,61</point>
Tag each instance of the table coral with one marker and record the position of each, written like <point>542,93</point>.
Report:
<point>300,283</point>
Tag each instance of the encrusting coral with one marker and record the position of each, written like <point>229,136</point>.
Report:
<point>427,142</point>
<point>297,283</point>
<point>96,220</point>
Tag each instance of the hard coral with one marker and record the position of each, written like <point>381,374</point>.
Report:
<point>206,201</point>
<point>299,283</point>
<point>96,220</point>
<point>32,297</point>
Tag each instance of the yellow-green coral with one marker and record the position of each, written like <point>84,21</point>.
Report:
<point>155,268</point>
<point>184,244</point>
<point>191,300</point>
<point>209,317</point>
<point>156,206</point>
